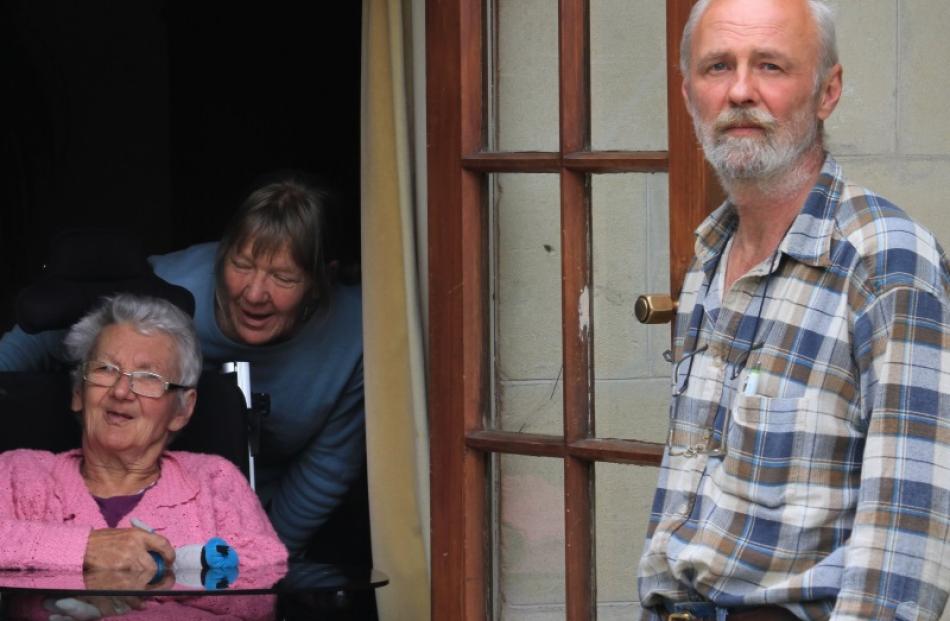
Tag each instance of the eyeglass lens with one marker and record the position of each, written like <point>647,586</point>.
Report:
<point>144,383</point>
<point>691,432</point>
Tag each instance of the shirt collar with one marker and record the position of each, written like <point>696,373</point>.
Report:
<point>808,239</point>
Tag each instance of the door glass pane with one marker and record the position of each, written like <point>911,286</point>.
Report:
<point>525,248</point>
<point>630,224</point>
<point>623,498</point>
<point>523,69</point>
<point>628,75</point>
<point>529,556</point>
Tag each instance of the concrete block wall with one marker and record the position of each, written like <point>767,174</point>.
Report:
<point>891,133</point>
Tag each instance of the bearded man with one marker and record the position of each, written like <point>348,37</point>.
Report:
<point>806,474</point>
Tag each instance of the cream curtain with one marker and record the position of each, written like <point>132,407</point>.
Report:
<point>396,429</point>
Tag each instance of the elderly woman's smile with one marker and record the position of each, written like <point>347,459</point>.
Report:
<point>117,418</point>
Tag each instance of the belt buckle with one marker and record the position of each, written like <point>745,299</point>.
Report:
<point>681,616</point>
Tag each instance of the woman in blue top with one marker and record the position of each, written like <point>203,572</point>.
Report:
<point>263,295</point>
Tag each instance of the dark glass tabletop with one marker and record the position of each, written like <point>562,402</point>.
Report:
<point>298,591</point>
<point>296,577</point>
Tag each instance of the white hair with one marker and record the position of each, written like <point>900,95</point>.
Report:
<point>147,315</point>
<point>824,18</point>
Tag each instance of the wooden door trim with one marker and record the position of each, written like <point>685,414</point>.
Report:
<point>576,296</point>
<point>579,161</point>
<point>614,450</point>
<point>456,343</point>
<point>694,190</point>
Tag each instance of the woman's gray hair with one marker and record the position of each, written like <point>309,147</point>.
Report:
<point>146,315</point>
<point>824,18</point>
<point>288,208</point>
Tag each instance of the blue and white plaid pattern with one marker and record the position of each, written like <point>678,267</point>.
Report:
<point>831,495</point>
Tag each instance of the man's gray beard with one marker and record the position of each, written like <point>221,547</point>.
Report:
<point>765,161</point>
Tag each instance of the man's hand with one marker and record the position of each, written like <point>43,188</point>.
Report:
<point>126,549</point>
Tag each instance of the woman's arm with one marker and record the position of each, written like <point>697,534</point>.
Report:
<point>323,472</point>
<point>240,520</point>
<point>35,529</point>
<point>20,351</point>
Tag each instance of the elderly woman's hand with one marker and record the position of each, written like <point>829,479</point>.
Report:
<point>126,548</point>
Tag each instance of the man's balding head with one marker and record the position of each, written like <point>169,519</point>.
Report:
<point>821,13</point>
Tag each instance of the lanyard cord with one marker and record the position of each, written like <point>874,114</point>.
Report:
<point>743,358</point>
<point>738,366</point>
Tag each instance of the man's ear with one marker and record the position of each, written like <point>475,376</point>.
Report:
<point>76,402</point>
<point>184,413</point>
<point>684,89</point>
<point>830,92</point>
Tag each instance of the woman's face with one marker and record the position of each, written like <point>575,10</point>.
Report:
<point>115,419</point>
<point>263,295</point>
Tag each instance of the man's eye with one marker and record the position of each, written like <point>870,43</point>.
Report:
<point>717,67</point>
<point>240,265</point>
<point>771,67</point>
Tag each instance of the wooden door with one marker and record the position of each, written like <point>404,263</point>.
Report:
<point>464,163</point>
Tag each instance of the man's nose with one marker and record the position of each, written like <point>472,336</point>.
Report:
<point>742,91</point>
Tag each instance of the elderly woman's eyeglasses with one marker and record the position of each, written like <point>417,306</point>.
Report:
<point>142,383</point>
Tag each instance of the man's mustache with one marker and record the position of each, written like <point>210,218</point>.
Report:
<point>744,117</point>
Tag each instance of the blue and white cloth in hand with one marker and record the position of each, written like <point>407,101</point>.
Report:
<point>213,565</point>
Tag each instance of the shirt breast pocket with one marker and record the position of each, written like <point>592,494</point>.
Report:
<point>788,451</point>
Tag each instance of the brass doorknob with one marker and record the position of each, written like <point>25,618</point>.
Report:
<point>655,308</point>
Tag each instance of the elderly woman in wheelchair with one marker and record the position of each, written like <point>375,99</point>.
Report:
<point>123,501</point>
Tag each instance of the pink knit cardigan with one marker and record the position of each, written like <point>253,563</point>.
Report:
<point>47,513</point>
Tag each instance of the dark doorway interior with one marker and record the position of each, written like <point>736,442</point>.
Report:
<point>155,116</point>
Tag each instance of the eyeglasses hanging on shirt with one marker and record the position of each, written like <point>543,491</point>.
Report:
<point>712,439</point>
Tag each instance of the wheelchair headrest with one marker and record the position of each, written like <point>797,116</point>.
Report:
<point>85,265</point>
